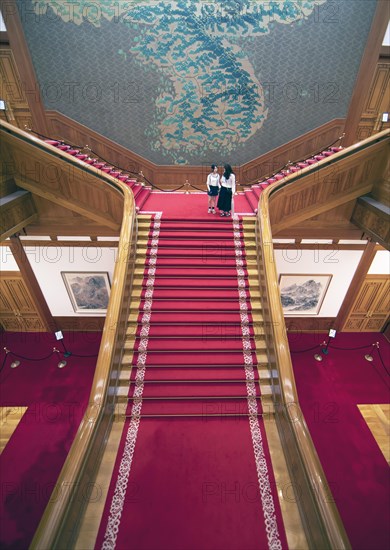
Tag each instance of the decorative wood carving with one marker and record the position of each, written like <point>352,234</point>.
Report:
<point>370,310</point>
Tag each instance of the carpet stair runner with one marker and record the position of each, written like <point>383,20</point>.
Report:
<point>140,191</point>
<point>195,353</point>
<point>193,469</point>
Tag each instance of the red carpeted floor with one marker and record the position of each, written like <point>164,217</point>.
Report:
<point>329,392</point>
<point>193,470</point>
<point>191,206</point>
<point>56,400</point>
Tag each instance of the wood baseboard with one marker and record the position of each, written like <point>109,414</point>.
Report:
<point>80,324</point>
<point>309,324</point>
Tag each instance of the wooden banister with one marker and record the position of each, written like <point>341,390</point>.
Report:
<point>321,520</point>
<point>58,525</point>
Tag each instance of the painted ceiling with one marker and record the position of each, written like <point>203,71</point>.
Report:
<point>193,81</point>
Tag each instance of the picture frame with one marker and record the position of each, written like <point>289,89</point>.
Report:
<point>303,294</point>
<point>88,291</point>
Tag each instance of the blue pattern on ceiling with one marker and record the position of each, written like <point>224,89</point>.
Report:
<point>195,82</point>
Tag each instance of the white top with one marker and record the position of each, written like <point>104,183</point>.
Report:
<point>213,180</point>
<point>230,183</point>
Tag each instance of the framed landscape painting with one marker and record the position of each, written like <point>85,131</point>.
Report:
<point>303,294</point>
<point>89,292</point>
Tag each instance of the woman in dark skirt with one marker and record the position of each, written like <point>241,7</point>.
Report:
<point>213,186</point>
<point>228,188</point>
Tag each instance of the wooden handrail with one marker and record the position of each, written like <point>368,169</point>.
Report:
<point>58,525</point>
<point>323,525</point>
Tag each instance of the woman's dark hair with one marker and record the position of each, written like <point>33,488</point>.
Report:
<point>228,171</point>
<point>213,166</point>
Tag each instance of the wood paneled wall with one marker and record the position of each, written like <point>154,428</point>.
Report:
<point>293,151</point>
<point>172,177</point>
<point>21,77</point>
<point>378,99</point>
<point>12,91</point>
<point>366,76</point>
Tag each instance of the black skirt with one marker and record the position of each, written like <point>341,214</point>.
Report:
<point>213,191</point>
<point>225,199</point>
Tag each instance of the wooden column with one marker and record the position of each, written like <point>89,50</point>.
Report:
<point>32,283</point>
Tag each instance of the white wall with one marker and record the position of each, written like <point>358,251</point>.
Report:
<point>47,262</point>
<point>7,261</point>
<point>381,263</point>
<point>341,264</point>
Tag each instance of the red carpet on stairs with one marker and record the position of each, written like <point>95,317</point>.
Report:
<point>193,471</point>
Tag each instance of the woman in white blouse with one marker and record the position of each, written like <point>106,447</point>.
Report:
<point>228,188</point>
<point>213,186</point>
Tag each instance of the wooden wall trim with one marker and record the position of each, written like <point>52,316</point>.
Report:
<point>65,244</point>
<point>73,132</point>
<point>24,64</point>
<point>356,283</point>
<point>80,324</point>
<point>366,72</point>
<point>296,325</point>
<point>17,108</point>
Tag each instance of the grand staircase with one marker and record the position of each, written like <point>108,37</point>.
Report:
<point>195,342</point>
